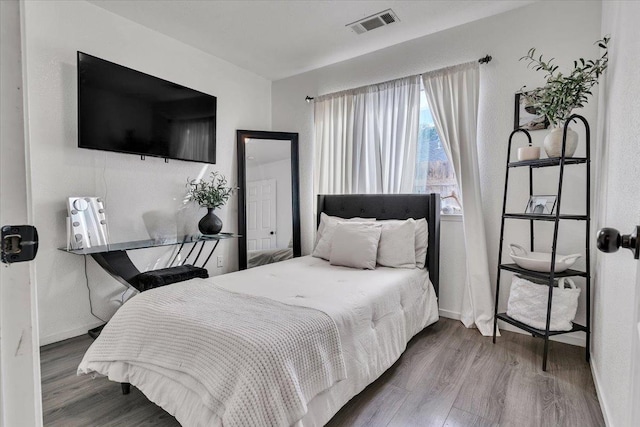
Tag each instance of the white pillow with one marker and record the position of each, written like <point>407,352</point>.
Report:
<point>421,238</point>
<point>355,245</point>
<point>397,244</point>
<point>326,229</point>
<point>422,241</point>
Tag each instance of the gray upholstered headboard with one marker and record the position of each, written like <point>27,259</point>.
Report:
<point>392,206</point>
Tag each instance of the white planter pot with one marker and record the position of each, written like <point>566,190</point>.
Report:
<point>553,142</point>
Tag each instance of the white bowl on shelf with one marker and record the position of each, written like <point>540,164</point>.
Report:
<point>540,261</point>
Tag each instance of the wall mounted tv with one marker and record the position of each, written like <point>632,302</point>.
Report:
<point>120,109</point>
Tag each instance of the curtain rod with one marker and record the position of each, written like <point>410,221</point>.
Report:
<point>484,60</point>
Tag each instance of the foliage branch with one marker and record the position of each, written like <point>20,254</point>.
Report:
<point>563,92</point>
<point>210,194</point>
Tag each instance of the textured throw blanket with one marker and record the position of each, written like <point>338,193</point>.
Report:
<point>260,361</point>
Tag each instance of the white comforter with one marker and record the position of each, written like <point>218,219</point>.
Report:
<point>376,313</point>
<point>258,362</point>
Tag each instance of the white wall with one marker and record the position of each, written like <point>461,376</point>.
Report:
<point>618,206</point>
<point>564,30</point>
<point>131,187</point>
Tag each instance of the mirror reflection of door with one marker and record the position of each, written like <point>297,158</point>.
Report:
<point>269,228</point>
<point>261,214</point>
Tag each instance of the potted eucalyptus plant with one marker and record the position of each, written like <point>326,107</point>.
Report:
<point>562,93</point>
<point>210,194</point>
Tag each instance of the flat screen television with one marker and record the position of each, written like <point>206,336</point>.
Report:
<point>123,110</point>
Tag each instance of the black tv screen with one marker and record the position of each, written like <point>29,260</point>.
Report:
<point>120,109</point>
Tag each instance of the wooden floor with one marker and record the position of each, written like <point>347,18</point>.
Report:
<point>448,376</point>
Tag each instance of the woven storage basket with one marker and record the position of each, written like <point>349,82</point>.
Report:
<point>528,304</point>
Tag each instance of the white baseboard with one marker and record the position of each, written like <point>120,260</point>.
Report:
<point>65,335</point>
<point>449,314</point>
<point>572,339</point>
<point>603,402</point>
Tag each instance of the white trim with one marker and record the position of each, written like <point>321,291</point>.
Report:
<point>603,402</point>
<point>449,314</point>
<point>35,322</point>
<point>65,335</point>
<point>572,339</point>
<point>451,217</point>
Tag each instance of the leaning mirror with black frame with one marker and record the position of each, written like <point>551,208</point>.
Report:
<point>268,197</point>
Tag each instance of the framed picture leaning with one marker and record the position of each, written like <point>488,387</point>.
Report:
<point>525,116</point>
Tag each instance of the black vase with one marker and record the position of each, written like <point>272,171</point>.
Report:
<point>210,223</point>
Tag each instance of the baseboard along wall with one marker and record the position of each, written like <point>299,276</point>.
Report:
<point>65,335</point>
<point>603,402</point>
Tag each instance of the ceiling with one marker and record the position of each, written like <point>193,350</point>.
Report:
<point>278,39</point>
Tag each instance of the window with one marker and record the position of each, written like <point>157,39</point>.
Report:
<point>434,172</point>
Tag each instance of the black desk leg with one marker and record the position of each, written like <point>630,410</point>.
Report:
<point>119,266</point>
<point>189,254</point>
<point>211,253</point>
<point>177,253</point>
<point>199,252</point>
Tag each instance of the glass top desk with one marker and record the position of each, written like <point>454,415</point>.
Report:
<point>114,260</point>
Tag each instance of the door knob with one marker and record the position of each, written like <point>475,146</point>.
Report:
<point>610,239</point>
<point>272,233</point>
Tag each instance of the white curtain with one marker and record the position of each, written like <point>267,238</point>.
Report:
<point>453,98</point>
<point>192,139</point>
<point>365,138</point>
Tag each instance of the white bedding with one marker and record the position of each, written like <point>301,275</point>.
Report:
<point>376,312</point>
<point>256,361</point>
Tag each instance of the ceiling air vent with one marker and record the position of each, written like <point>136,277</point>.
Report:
<point>372,22</point>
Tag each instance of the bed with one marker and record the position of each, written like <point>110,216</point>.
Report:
<point>374,312</point>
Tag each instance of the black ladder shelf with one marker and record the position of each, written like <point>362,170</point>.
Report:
<point>560,162</point>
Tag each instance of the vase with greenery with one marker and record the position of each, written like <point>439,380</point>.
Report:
<point>210,194</point>
<point>562,93</point>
